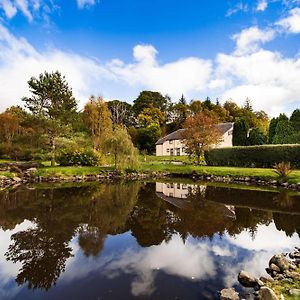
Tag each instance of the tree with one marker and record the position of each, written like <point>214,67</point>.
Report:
<point>120,146</point>
<point>51,100</point>
<point>248,105</point>
<point>257,137</point>
<point>147,137</point>
<point>199,134</point>
<point>148,99</point>
<point>97,118</point>
<point>121,112</point>
<point>272,129</point>
<point>151,115</point>
<point>284,133</point>
<point>240,133</point>
<point>9,127</point>
<point>295,119</point>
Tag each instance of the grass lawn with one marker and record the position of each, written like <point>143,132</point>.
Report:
<point>164,164</point>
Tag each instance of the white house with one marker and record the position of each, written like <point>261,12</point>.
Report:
<point>172,144</point>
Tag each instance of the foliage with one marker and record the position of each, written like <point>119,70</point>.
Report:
<point>283,169</point>
<point>97,118</point>
<point>120,146</point>
<point>200,133</point>
<point>295,119</point>
<point>284,133</point>
<point>257,137</point>
<point>9,127</point>
<point>151,115</point>
<point>147,99</point>
<point>121,112</point>
<point>78,158</point>
<point>240,133</point>
<point>254,156</point>
<point>147,137</point>
<point>53,102</point>
<point>272,129</point>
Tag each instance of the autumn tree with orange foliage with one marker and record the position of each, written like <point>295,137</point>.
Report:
<point>9,127</point>
<point>199,134</point>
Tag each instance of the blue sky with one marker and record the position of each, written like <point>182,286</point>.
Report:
<point>217,48</point>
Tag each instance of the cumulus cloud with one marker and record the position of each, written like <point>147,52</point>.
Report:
<point>262,5</point>
<point>250,39</point>
<point>181,76</point>
<point>291,23</point>
<point>85,3</point>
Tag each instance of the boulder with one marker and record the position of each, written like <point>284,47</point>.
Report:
<point>274,268</point>
<point>266,293</point>
<point>229,294</point>
<point>266,279</point>
<point>17,179</point>
<point>247,280</point>
<point>294,292</point>
<point>280,261</point>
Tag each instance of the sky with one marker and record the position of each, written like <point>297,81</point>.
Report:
<point>116,48</point>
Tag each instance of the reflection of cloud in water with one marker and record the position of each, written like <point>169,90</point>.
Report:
<point>192,261</point>
<point>267,237</point>
<point>8,269</point>
<point>267,242</point>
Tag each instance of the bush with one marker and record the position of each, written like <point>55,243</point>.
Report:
<point>265,156</point>
<point>282,169</point>
<point>78,158</point>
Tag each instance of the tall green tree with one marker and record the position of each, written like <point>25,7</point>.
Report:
<point>257,137</point>
<point>285,133</point>
<point>240,133</point>
<point>295,119</point>
<point>148,99</point>
<point>51,100</point>
<point>147,137</point>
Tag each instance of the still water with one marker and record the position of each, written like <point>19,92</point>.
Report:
<point>139,240</point>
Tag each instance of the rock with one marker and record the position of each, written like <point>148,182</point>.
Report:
<point>247,280</point>
<point>280,261</point>
<point>229,294</point>
<point>266,293</point>
<point>293,275</point>
<point>259,283</point>
<point>274,268</point>
<point>17,179</point>
<point>294,255</point>
<point>266,279</point>
<point>294,292</point>
<point>279,277</point>
<point>287,280</point>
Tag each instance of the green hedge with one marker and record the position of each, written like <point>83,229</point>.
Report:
<point>254,156</point>
<point>78,158</point>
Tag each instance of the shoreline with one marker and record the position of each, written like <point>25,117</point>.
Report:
<point>29,176</point>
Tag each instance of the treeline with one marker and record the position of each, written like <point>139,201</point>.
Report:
<point>51,121</point>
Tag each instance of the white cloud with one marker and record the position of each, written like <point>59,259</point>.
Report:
<point>262,5</point>
<point>291,24</point>
<point>9,9</point>
<point>249,39</point>
<point>185,75</point>
<point>26,7</point>
<point>267,78</point>
<point>240,6</point>
<point>85,3</point>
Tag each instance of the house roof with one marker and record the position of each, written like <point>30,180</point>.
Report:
<point>177,135</point>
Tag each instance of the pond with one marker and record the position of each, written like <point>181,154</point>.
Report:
<point>139,240</point>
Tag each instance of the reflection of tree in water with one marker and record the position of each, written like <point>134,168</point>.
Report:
<point>43,257</point>
<point>58,215</point>
<point>148,221</point>
<point>290,224</point>
<point>284,199</point>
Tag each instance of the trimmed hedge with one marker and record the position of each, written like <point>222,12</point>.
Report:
<point>78,158</point>
<point>264,156</point>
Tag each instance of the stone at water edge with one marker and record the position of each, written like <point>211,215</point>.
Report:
<point>266,293</point>
<point>274,268</point>
<point>280,261</point>
<point>229,294</point>
<point>247,280</point>
<point>294,292</point>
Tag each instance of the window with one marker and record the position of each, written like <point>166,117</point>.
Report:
<point>178,186</point>
<point>177,151</point>
<point>172,152</point>
<point>170,141</point>
<point>230,132</point>
<point>183,149</point>
<point>168,150</point>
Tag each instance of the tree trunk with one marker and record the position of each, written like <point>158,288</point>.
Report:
<point>52,151</point>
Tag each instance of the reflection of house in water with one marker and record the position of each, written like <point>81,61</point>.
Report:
<point>178,195</point>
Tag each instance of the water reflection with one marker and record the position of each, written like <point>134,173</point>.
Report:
<point>154,240</point>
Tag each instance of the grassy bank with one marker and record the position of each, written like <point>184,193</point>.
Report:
<point>150,164</point>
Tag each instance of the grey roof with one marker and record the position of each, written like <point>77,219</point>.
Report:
<point>177,135</point>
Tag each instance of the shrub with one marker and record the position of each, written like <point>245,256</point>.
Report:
<point>282,169</point>
<point>78,158</point>
<point>254,156</point>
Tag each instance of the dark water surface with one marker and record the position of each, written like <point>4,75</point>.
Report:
<point>138,240</point>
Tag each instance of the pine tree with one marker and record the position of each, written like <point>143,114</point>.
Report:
<point>295,119</point>
<point>240,133</point>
